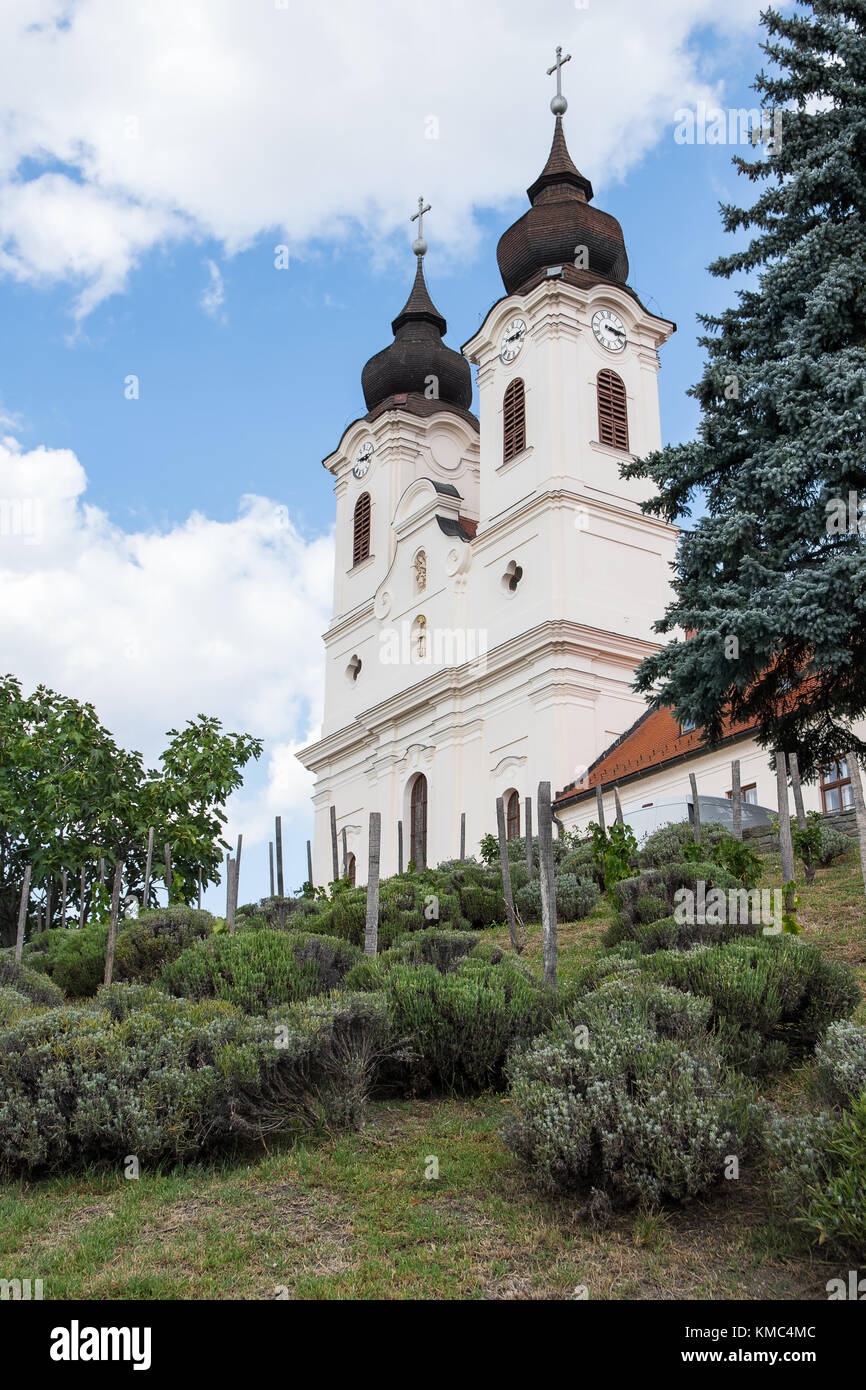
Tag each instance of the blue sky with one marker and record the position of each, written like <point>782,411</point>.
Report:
<point>243,395</point>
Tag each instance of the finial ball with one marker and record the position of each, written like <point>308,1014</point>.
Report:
<point>419,246</point>
<point>558,105</point>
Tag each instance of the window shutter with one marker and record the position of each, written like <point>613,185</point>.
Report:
<point>361,545</point>
<point>612,410</point>
<point>514,420</point>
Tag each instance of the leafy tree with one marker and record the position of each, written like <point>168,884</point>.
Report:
<point>770,582</point>
<point>69,795</point>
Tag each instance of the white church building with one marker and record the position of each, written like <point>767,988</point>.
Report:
<point>495,581</point>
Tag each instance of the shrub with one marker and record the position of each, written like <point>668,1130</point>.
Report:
<point>771,997</point>
<point>73,957</point>
<point>649,907</point>
<point>636,1106</point>
<point>318,1064</point>
<point>575,898</point>
<point>12,1003</point>
<point>580,861</point>
<point>819,1165</point>
<point>833,844</point>
<point>662,884</point>
<point>458,1026</point>
<point>259,970</point>
<point>841,1059</point>
<point>436,946</point>
<point>145,946</point>
<point>665,846</point>
<point>78,1086</point>
<point>31,983</point>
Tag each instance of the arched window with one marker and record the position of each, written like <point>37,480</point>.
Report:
<point>418,839</point>
<point>361,543</point>
<point>512,816</point>
<point>612,412</point>
<point>350,869</point>
<point>514,420</point>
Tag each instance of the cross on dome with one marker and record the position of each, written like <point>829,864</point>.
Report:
<point>419,245</point>
<point>558,104</point>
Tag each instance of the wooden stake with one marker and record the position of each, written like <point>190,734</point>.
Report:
<point>599,804</point>
<point>148,866</point>
<point>271,863</point>
<point>786,844</point>
<point>168,872</point>
<point>102,871</point>
<point>22,913</point>
<point>310,863</point>
<point>63,898</point>
<point>530,867</point>
<point>800,809</point>
<point>859,809</point>
<point>278,832</point>
<point>48,906</point>
<point>462,835</point>
<point>506,875</point>
<point>345,853</point>
<point>199,888</point>
<point>238,853</point>
<point>112,925</point>
<point>618,805</point>
<point>399,847</point>
<point>737,799</point>
<point>335,863</point>
<point>81,902</point>
<point>230,895</point>
<point>550,947</point>
<point>371,930</point>
<point>696,808</point>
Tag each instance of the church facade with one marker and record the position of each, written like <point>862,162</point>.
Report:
<point>495,580</point>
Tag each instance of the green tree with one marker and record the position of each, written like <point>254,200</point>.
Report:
<point>769,581</point>
<point>69,795</point>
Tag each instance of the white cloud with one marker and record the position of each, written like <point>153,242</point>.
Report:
<point>214,294</point>
<point>154,627</point>
<point>144,124</point>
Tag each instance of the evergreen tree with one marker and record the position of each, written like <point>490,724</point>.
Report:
<point>771,583</point>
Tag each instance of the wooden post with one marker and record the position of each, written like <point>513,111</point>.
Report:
<point>112,924</point>
<point>278,836</point>
<point>102,871</point>
<point>616,801</point>
<point>506,875</point>
<point>199,887</point>
<point>800,809</point>
<point>271,863</point>
<point>737,799</point>
<point>345,852</point>
<point>81,902</point>
<point>334,860</point>
<point>530,867</point>
<point>549,943</point>
<point>786,844</point>
<point>399,847</point>
<point>238,853</point>
<point>696,808</point>
<point>371,930</point>
<point>168,872</point>
<point>63,898</point>
<point>230,894</point>
<point>462,835</point>
<point>859,808</point>
<point>309,863</point>
<point>148,866</point>
<point>22,913</point>
<point>49,905</point>
<point>599,804</point>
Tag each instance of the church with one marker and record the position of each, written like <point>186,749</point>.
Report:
<point>495,581</point>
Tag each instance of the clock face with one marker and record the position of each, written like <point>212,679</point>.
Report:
<point>512,340</point>
<point>362,459</point>
<point>609,329</point>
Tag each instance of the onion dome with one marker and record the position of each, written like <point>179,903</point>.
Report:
<point>560,221</point>
<point>417,354</point>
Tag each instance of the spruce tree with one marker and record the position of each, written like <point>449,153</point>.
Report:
<point>771,582</point>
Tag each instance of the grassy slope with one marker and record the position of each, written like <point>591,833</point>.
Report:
<point>355,1217</point>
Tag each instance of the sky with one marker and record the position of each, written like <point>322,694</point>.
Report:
<point>170,378</point>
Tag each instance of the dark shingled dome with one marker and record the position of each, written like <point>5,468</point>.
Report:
<point>416,354</point>
<point>560,220</point>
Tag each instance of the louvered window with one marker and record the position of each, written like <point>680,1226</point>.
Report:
<point>514,418</point>
<point>361,545</point>
<point>612,412</point>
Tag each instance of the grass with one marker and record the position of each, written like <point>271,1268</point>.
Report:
<point>365,1216</point>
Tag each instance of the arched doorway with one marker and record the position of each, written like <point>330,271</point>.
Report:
<point>418,822</point>
<point>512,816</point>
<point>350,869</point>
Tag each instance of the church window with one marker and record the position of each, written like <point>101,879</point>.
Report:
<point>612,410</point>
<point>512,816</point>
<point>837,794</point>
<point>514,420</point>
<point>361,543</point>
<point>418,839</point>
<point>512,577</point>
<point>353,670</point>
<point>350,869</point>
